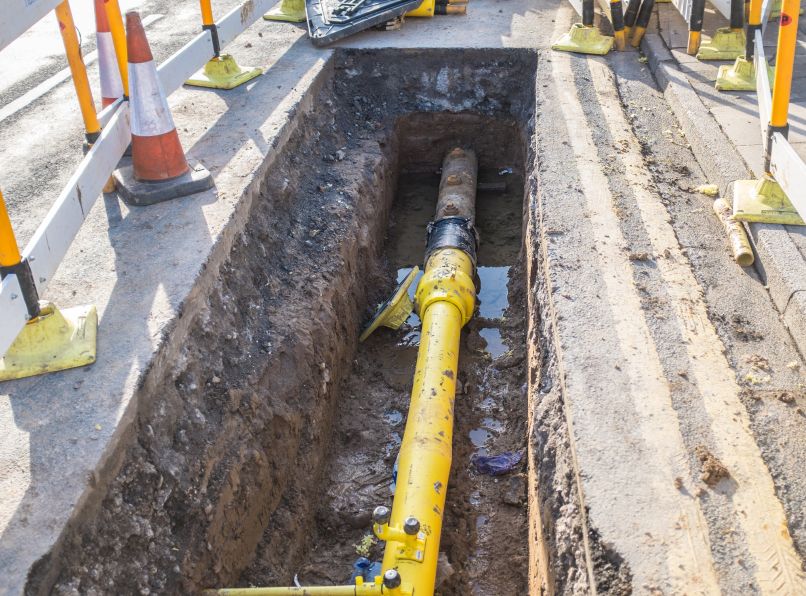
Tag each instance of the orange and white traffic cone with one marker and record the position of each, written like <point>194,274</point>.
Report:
<point>159,170</point>
<point>111,83</point>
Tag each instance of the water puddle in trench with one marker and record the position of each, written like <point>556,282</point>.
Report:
<point>481,521</point>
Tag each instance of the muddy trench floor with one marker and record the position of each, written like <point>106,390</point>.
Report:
<point>484,537</point>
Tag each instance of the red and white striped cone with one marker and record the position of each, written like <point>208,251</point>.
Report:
<point>159,170</point>
<point>111,83</point>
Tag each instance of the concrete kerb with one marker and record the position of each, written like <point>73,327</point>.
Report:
<point>163,356</point>
<point>778,260</point>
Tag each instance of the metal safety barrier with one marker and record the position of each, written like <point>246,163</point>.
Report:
<point>779,196</point>
<point>108,135</point>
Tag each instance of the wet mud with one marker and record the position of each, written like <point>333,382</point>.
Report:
<point>484,537</point>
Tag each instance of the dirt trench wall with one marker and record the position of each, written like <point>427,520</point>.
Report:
<point>235,443</point>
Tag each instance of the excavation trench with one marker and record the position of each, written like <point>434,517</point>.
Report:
<point>263,453</point>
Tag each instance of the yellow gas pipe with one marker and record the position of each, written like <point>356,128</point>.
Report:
<point>445,300</point>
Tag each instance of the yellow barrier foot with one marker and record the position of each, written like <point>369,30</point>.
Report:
<point>292,11</point>
<point>584,40</point>
<point>394,312</point>
<point>763,201</point>
<point>426,9</point>
<point>223,73</point>
<point>727,44</point>
<point>741,76</point>
<point>56,340</point>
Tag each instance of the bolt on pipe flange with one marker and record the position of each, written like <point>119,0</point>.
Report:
<point>411,526</point>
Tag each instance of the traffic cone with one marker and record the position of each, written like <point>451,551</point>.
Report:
<point>159,170</point>
<point>111,83</point>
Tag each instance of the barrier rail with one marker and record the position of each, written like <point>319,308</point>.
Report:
<point>779,196</point>
<point>50,243</point>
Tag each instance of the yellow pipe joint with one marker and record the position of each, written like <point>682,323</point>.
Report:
<point>447,278</point>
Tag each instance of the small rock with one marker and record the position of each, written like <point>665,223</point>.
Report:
<point>313,233</point>
<point>444,569</point>
<point>678,482</point>
<point>666,253</point>
<point>216,380</point>
<point>249,45</point>
<point>208,509</point>
<point>639,256</point>
<point>340,155</point>
<point>360,520</point>
<point>516,491</point>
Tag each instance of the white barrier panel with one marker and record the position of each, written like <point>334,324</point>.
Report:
<point>789,171</point>
<point>239,19</point>
<point>17,16</point>
<point>14,312</point>
<point>762,87</point>
<point>55,235</point>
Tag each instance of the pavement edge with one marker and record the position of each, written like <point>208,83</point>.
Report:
<point>778,260</point>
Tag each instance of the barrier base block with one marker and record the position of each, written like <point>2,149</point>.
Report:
<point>57,340</point>
<point>763,201</point>
<point>727,44</point>
<point>741,76</point>
<point>584,40</point>
<point>292,11</point>
<point>140,194</point>
<point>223,73</point>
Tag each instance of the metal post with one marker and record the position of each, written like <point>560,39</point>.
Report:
<point>784,62</point>
<point>208,24</point>
<point>617,20</point>
<point>643,21</point>
<point>79,71</point>
<point>695,26</point>
<point>115,18</point>
<point>737,15</point>
<point>587,13</point>
<point>753,25</point>
<point>11,263</point>
<point>630,15</point>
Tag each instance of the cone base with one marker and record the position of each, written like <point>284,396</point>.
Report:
<point>223,73</point>
<point>291,11</point>
<point>763,201</point>
<point>727,44</point>
<point>59,340</point>
<point>584,40</point>
<point>140,194</point>
<point>740,77</point>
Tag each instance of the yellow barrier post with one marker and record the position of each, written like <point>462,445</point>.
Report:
<point>51,340</point>
<point>222,72</point>
<point>742,75</point>
<point>80,80</point>
<point>79,72</point>
<point>643,22</point>
<point>695,26</point>
<point>728,42</point>
<point>764,200</point>
<point>115,18</point>
<point>584,38</point>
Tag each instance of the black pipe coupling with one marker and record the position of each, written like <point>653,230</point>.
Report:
<point>452,232</point>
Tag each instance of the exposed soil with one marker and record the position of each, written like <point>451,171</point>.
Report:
<point>484,536</point>
<point>236,462</point>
